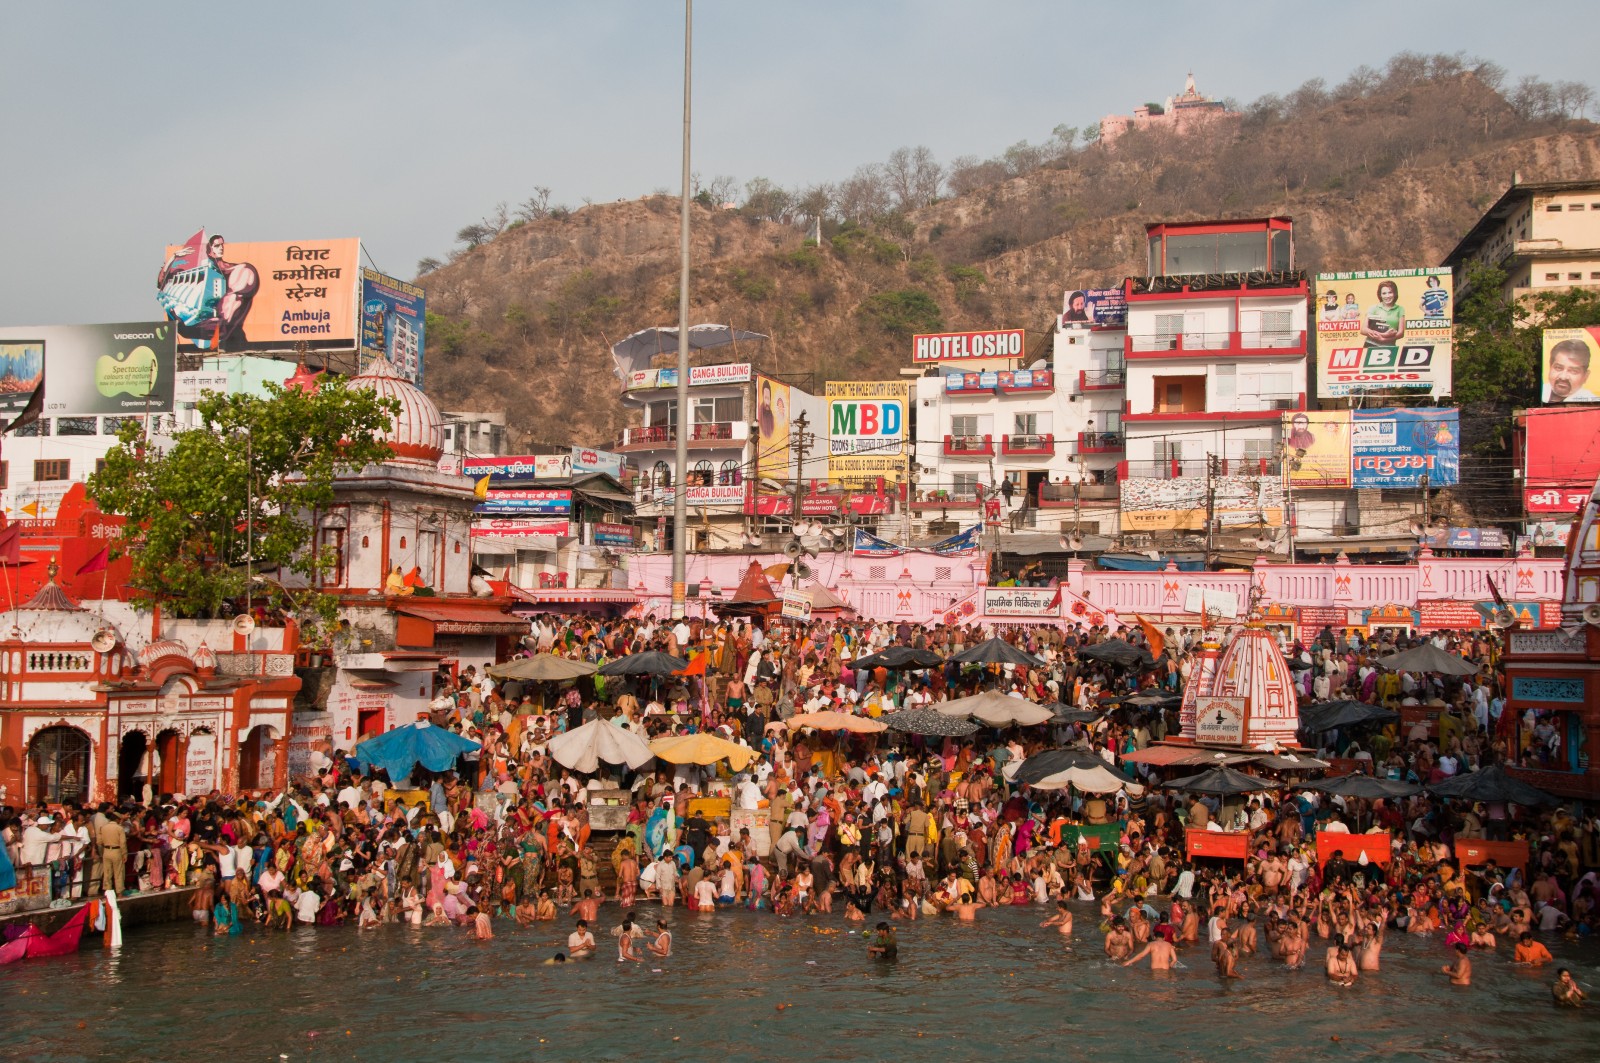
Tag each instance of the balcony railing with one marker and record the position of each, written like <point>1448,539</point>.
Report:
<point>1102,379</point>
<point>706,432</point>
<point>1100,442</point>
<point>1195,468</point>
<point>1246,404</point>
<point>1215,342</point>
<point>1057,495</point>
<point>1032,444</point>
<point>969,446</point>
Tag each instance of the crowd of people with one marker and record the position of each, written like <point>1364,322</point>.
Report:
<point>882,828</point>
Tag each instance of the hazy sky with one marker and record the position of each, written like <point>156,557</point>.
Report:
<point>127,126</point>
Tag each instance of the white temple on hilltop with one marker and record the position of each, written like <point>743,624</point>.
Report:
<point>1188,112</point>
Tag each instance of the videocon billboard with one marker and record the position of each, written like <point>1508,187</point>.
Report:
<point>124,368</point>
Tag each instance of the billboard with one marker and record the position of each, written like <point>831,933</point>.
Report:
<point>261,296</point>
<point>1324,437</point>
<point>518,469</point>
<point>952,346</point>
<point>586,460</point>
<point>1568,355</point>
<point>999,380</point>
<point>772,429</point>
<point>526,503</point>
<point>1395,448</point>
<point>393,323</point>
<point>1381,330</point>
<point>867,423</point>
<point>1151,504</point>
<point>1091,307</point>
<point>1219,719</point>
<point>122,369</point>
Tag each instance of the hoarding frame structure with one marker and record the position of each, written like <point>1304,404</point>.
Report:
<point>773,419</point>
<point>1394,448</point>
<point>1350,358</point>
<point>957,346</point>
<point>1102,308</point>
<point>1325,439</point>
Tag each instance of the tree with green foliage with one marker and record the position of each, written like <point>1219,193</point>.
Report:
<point>233,497</point>
<point>1498,347</point>
<point>903,313</point>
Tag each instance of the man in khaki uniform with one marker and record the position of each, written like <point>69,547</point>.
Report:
<point>113,843</point>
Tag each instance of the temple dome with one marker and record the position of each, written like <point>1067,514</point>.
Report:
<point>417,436</point>
<point>1253,667</point>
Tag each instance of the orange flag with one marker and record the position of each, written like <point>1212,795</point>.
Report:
<point>1158,641</point>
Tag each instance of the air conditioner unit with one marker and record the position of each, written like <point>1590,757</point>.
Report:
<point>1282,404</point>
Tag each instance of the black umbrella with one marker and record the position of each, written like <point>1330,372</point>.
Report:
<point>1296,664</point>
<point>996,651</point>
<point>1428,658</point>
<point>930,722</point>
<point>1492,784</point>
<point>1051,761</point>
<point>1327,715</point>
<point>1221,781</point>
<point>1365,786</point>
<point>1068,714</point>
<point>896,658</point>
<point>1151,699</point>
<point>651,662</point>
<point>1117,651</point>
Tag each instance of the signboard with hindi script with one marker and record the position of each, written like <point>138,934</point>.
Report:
<point>1219,720</point>
<point>241,297</point>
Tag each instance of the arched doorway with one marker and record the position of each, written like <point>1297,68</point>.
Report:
<point>169,762</point>
<point>131,766</point>
<point>58,765</point>
<point>258,761</point>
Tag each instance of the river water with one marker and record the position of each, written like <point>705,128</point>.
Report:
<point>758,987</point>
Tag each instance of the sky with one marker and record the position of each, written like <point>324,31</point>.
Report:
<point>128,126</point>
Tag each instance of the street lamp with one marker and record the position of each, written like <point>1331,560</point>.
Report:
<point>680,495</point>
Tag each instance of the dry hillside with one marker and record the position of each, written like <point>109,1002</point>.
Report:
<point>1388,173</point>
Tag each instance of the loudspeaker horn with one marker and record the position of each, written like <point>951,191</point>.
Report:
<point>803,570</point>
<point>1503,618</point>
<point>792,549</point>
<point>243,624</point>
<point>1591,615</point>
<point>104,641</point>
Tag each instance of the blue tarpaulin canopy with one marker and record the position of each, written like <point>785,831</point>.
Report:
<point>399,751</point>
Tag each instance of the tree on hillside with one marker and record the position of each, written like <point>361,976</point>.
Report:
<point>914,177</point>
<point>233,497</point>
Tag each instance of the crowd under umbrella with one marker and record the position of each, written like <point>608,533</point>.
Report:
<point>1328,715</point>
<point>1221,781</point>
<point>997,710</point>
<point>996,651</point>
<point>650,662</point>
<point>1492,784</point>
<point>702,748</point>
<point>927,721</point>
<point>1428,658</point>
<point>543,668</point>
<point>1118,652</point>
<point>899,659</point>
<point>1367,787</point>
<point>399,751</point>
<point>585,748</point>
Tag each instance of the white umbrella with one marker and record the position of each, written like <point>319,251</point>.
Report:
<point>583,749</point>
<point>996,709</point>
<point>1089,780</point>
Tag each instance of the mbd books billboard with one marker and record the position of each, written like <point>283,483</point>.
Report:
<point>1384,330</point>
<point>866,429</point>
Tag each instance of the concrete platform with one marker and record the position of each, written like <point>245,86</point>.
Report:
<point>139,909</point>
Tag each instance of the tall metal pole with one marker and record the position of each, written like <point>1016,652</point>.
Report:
<point>680,497</point>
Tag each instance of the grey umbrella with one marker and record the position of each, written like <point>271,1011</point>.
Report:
<point>1428,658</point>
<point>651,662</point>
<point>1327,715</point>
<point>929,722</point>
<point>996,651</point>
<point>1067,714</point>
<point>1492,784</point>
<point>1364,786</point>
<point>1116,651</point>
<point>899,658</point>
<point>543,668</point>
<point>1221,781</point>
<point>1051,761</point>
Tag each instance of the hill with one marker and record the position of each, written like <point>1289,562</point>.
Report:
<point>1387,170</point>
